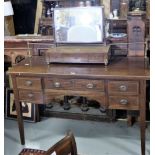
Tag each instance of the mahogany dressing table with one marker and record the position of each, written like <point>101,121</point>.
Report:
<point>120,85</point>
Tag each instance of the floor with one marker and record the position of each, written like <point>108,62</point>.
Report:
<point>92,138</point>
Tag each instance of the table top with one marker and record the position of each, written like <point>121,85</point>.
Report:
<point>131,68</point>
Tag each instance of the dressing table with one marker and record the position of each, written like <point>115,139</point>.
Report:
<point>120,85</point>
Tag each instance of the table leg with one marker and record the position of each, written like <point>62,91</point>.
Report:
<point>19,111</point>
<point>143,139</point>
<point>142,115</point>
<point>37,113</point>
<point>66,105</point>
<point>20,122</point>
<point>84,105</point>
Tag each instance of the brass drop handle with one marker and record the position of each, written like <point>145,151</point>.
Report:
<point>57,84</point>
<point>123,88</point>
<point>30,95</point>
<point>90,85</point>
<point>123,101</point>
<point>28,83</point>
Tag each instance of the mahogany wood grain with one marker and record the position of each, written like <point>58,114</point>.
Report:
<point>31,96</point>
<point>19,112</point>
<point>123,87</point>
<point>131,72</point>
<point>124,102</point>
<point>29,83</point>
<point>58,83</point>
<point>79,54</point>
<point>25,46</point>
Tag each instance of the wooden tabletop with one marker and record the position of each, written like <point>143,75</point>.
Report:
<point>119,67</point>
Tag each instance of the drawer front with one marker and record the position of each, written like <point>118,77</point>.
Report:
<point>123,87</point>
<point>31,96</point>
<point>54,83</point>
<point>29,83</point>
<point>93,85</point>
<point>124,102</point>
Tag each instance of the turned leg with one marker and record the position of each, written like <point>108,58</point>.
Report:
<point>130,120</point>
<point>131,117</point>
<point>102,109</point>
<point>84,106</point>
<point>66,105</point>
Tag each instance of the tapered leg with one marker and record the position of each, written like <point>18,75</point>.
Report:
<point>20,122</point>
<point>143,138</point>
<point>19,111</point>
<point>142,114</point>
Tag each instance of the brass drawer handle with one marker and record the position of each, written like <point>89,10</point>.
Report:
<point>30,95</point>
<point>123,101</point>
<point>90,86</point>
<point>28,83</point>
<point>123,88</point>
<point>57,84</point>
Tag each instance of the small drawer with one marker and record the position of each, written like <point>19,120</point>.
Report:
<point>51,83</point>
<point>124,102</point>
<point>123,87</point>
<point>29,83</point>
<point>84,84</point>
<point>31,96</point>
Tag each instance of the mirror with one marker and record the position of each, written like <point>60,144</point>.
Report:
<point>79,24</point>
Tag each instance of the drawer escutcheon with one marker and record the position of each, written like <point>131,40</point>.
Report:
<point>90,85</point>
<point>30,95</point>
<point>57,84</point>
<point>123,88</point>
<point>123,101</point>
<point>28,83</point>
